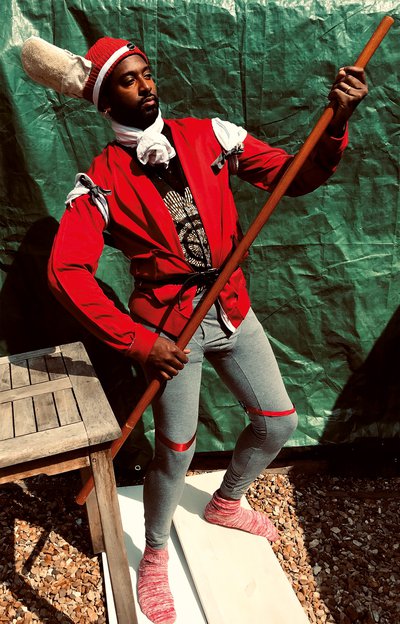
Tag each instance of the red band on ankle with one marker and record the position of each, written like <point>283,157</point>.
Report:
<point>253,410</point>
<point>173,445</point>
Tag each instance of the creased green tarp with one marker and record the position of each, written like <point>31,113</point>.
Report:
<point>324,273</point>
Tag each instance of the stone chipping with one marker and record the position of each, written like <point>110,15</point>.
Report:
<point>339,548</point>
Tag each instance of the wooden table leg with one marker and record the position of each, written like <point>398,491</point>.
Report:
<point>104,480</point>
<point>92,509</point>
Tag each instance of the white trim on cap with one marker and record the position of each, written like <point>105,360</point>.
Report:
<point>109,63</point>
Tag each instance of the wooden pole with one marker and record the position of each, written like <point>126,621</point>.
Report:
<point>241,249</point>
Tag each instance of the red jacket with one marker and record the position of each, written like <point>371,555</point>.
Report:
<point>142,228</point>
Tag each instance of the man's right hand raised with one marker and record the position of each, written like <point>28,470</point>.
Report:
<point>166,359</point>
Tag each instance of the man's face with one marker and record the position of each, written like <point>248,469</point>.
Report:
<point>130,93</point>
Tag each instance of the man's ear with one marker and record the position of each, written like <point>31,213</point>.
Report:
<point>104,102</point>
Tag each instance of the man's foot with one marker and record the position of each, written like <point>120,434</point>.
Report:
<point>230,514</point>
<point>154,594</point>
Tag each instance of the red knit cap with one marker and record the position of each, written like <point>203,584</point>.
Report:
<point>104,55</point>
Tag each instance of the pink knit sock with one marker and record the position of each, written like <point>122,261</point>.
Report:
<point>154,594</point>
<point>230,514</point>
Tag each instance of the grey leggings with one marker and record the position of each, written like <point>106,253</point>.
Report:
<point>245,362</point>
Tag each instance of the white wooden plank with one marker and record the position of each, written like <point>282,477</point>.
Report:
<point>24,417</point>
<point>187,605</point>
<point>6,421</point>
<point>19,374</point>
<point>45,412</point>
<point>6,412</point>
<point>5,376</point>
<point>30,391</point>
<point>237,575</point>
<point>46,466</point>
<point>24,356</point>
<point>97,415</point>
<point>66,407</point>
<point>77,362</point>
<point>38,369</point>
<point>55,365</point>
<point>42,444</point>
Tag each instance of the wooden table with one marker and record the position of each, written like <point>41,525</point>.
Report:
<point>54,417</point>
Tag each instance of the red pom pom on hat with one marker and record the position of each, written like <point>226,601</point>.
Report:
<point>104,55</point>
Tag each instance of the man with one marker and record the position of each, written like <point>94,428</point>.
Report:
<point>162,191</point>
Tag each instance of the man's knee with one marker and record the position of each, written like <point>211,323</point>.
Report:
<point>176,456</point>
<point>282,427</point>
<point>290,423</point>
<point>268,424</point>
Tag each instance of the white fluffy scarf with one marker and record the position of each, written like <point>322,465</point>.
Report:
<point>152,147</point>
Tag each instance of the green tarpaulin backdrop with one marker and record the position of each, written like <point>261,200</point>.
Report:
<point>324,273</point>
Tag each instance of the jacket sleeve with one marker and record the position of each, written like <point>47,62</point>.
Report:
<point>71,273</point>
<point>263,165</point>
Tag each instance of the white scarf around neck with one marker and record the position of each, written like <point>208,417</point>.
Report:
<point>152,147</point>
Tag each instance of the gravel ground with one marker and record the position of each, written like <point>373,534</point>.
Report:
<point>339,544</point>
<point>339,547</point>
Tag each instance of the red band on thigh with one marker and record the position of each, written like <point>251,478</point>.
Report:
<point>173,445</point>
<point>254,410</point>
